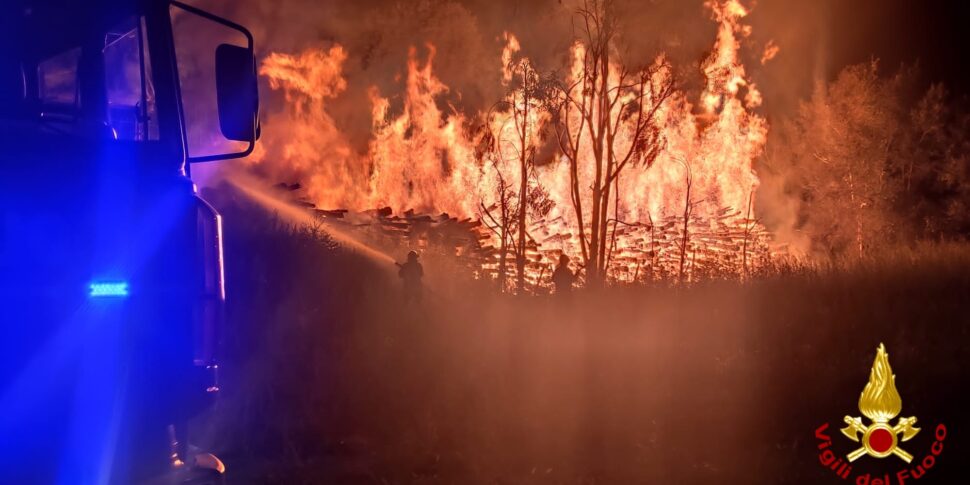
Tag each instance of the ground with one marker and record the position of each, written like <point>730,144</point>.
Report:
<point>330,378</point>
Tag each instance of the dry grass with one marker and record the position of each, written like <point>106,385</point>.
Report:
<point>329,379</point>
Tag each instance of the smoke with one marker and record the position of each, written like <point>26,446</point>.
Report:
<point>468,37</point>
<point>378,35</point>
<point>375,37</point>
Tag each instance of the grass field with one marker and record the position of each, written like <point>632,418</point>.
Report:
<point>330,378</point>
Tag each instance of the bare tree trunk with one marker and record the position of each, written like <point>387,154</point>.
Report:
<point>618,118</point>
<point>592,263</point>
<point>503,246</point>
<point>501,228</point>
<point>616,221</point>
<point>687,211</point>
<point>601,155</point>
<point>523,185</point>
<point>683,241</point>
<point>578,206</point>
<point>747,233</point>
<point>857,212</point>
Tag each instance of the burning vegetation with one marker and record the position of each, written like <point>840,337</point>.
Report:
<point>608,162</point>
<point>626,164</point>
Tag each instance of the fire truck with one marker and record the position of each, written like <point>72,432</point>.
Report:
<point>111,264</point>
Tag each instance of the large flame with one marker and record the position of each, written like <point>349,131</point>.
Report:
<point>303,142</point>
<point>880,401</point>
<point>424,157</point>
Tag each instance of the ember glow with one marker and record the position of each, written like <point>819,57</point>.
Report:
<point>686,211</point>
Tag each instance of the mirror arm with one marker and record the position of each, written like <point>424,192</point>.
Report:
<point>217,19</point>
<point>250,46</point>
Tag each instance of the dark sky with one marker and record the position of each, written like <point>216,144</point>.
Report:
<point>936,32</point>
<point>817,38</point>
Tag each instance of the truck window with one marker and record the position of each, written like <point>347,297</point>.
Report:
<point>128,83</point>
<point>57,81</point>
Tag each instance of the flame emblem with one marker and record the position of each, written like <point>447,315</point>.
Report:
<point>880,402</point>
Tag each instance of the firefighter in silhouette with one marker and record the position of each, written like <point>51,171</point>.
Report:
<point>411,273</point>
<point>563,278</point>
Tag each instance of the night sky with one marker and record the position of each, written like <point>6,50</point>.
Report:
<point>935,32</point>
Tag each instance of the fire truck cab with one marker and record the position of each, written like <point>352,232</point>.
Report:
<point>111,265</point>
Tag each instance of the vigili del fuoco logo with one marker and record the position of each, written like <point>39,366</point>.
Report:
<point>878,437</point>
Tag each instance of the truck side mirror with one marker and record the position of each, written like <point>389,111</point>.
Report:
<point>236,92</point>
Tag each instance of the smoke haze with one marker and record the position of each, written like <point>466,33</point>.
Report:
<point>808,42</point>
<point>377,35</point>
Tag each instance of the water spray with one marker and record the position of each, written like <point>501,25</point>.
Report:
<point>299,215</point>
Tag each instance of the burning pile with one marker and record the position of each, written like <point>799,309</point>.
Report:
<point>609,164</point>
<point>724,245</point>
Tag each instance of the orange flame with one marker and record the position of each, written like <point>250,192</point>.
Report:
<point>424,158</point>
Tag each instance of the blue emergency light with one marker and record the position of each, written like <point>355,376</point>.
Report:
<point>109,289</point>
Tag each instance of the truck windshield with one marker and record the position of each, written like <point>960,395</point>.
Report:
<point>57,83</point>
<point>130,94</point>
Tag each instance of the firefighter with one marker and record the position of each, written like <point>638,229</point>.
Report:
<point>411,273</point>
<point>563,278</point>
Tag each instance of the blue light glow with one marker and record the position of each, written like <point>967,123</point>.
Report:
<point>107,289</point>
